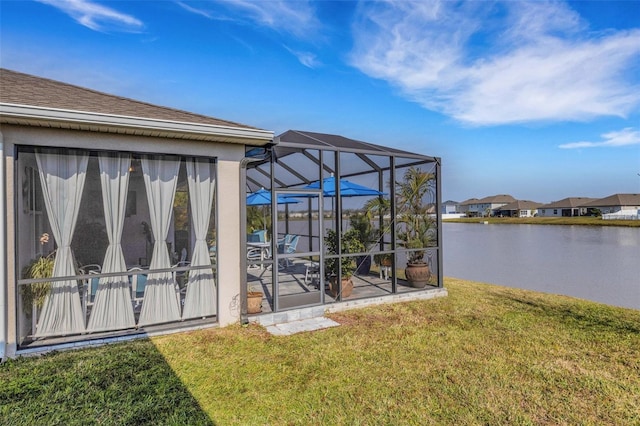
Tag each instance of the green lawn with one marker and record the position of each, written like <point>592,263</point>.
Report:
<point>483,355</point>
<point>586,220</point>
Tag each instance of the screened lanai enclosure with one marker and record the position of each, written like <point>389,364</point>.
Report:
<point>114,243</point>
<point>339,220</point>
<point>124,243</point>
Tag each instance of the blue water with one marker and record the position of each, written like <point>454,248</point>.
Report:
<point>594,263</point>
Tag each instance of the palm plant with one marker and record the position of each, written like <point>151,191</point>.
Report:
<point>376,210</point>
<point>414,200</point>
<point>257,219</point>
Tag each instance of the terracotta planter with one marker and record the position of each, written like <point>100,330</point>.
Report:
<point>254,302</point>
<point>347,287</point>
<point>417,274</point>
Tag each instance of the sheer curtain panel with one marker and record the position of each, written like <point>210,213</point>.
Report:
<point>200,298</point>
<point>113,309</point>
<point>161,301</point>
<point>62,177</point>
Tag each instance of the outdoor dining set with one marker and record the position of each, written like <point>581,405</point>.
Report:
<point>259,249</point>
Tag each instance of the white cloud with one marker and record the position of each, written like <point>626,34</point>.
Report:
<point>624,137</point>
<point>297,18</point>
<point>308,59</point>
<point>194,10</point>
<point>507,63</point>
<point>95,16</point>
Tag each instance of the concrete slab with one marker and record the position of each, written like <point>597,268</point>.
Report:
<point>299,326</point>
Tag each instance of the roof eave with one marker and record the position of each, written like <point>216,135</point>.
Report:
<point>106,123</point>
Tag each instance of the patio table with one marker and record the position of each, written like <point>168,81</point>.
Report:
<point>264,250</point>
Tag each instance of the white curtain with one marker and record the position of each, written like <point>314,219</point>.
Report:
<point>200,298</point>
<point>112,309</point>
<point>161,301</point>
<point>62,177</point>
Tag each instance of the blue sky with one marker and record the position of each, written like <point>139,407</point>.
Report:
<point>540,100</point>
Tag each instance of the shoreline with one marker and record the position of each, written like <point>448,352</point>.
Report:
<point>580,221</point>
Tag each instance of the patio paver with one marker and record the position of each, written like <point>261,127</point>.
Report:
<point>299,326</point>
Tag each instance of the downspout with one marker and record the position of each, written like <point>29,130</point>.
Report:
<point>4,308</point>
<point>439,219</point>
<point>244,318</point>
<point>392,211</point>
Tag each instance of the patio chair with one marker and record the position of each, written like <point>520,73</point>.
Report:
<point>91,285</point>
<point>138,283</point>
<point>180,276</point>
<point>257,236</point>
<point>288,248</point>
<point>285,240</point>
<point>254,255</point>
<point>213,253</point>
<point>312,274</point>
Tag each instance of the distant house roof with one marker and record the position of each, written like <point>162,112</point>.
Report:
<point>469,201</point>
<point>496,199</point>
<point>450,202</point>
<point>36,101</point>
<point>615,201</point>
<point>521,205</point>
<point>571,202</point>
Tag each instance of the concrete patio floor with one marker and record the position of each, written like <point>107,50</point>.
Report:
<point>298,290</point>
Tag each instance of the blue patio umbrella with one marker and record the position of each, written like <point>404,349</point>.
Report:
<point>262,197</point>
<point>347,188</point>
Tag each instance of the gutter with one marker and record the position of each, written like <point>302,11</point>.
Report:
<point>80,120</point>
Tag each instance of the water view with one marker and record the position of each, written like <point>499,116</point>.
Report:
<point>595,263</point>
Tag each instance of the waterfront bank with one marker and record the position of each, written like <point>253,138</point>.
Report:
<point>583,221</point>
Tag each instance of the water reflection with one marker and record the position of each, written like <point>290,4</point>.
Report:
<point>595,263</point>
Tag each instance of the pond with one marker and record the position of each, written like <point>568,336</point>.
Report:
<point>601,264</point>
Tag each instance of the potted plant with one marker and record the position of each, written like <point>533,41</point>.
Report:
<point>377,209</point>
<point>34,295</point>
<point>414,202</point>
<point>382,259</point>
<point>254,301</point>
<point>366,235</point>
<point>41,267</point>
<point>350,243</point>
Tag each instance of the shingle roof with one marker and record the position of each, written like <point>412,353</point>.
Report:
<point>496,199</point>
<point>469,201</point>
<point>571,202</point>
<point>615,200</point>
<point>24,89</point>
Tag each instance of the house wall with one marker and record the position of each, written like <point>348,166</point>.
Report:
<point>550,212</point>
<point>228,241</point>
<point>8,285</point>
<point>449,208</point>
<point>619,209</point>
<point>228,203</point>
<point>529,213</point>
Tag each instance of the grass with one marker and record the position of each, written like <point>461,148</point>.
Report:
<point>585,220</point>
<point>483,355</point>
